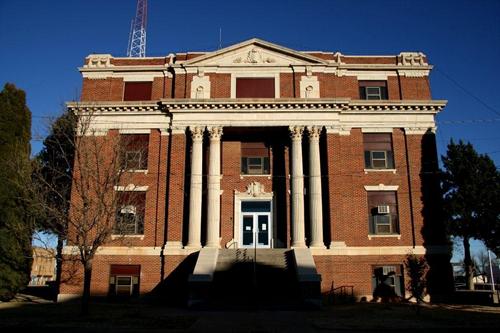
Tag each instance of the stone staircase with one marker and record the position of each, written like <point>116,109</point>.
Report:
<point>270,282</point>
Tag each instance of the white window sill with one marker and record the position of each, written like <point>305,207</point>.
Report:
<point>380,170</point>
<point>144,171</point>
<point>243,176</point>
<point>398,236</point>
<point>113,237</point>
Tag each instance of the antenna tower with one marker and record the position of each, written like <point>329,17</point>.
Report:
<point>137,37</point>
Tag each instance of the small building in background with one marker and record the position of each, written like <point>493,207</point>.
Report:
<point>43,268</point>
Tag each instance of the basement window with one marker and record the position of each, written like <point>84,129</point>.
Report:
<point>124,280</point>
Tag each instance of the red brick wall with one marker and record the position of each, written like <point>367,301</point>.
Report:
<point>352,271</point>
<point>220,85</point>
<point>176,188</point>
<point>415,88</point>
<point>150,276</point>
<point>332,86</point>
<point>110,89</point>
<point>348,198</point>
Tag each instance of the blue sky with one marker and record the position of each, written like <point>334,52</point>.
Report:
<point>43,43</point>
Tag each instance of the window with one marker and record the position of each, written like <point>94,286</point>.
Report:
<point>383,213</point>
<point>378,151</point>
<point>254,158</point>
<point>387,281</point>
<point>255,88</point>
<point>373,90</point>
<point>135,151</point>
<point>130,213</point>
<point>137,91</point>
<point>124,280</point>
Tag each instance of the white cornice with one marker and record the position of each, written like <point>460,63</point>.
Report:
<point>341,105</point>
<point>114,107</point>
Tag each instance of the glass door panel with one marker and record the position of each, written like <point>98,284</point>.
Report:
<point>263,230</point>
<point>248,230</point>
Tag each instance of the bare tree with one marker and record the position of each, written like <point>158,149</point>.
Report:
<point>481,264</point>
<point>97,202</point>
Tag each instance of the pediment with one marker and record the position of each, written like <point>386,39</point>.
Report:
<point>255,52</point>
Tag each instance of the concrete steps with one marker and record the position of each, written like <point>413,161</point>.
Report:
<point>269,282</point>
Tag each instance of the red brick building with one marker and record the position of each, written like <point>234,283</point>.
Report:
<point>330,157</point>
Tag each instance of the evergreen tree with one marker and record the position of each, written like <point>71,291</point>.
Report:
<point>15,225</point>
<point>471,189</point>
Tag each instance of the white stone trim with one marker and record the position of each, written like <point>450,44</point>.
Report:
<point>134,131</point>
<point>398,236</point>
<point>117,236</point>
<point>270,74</point>
<point>371,75</point>
<point>413,72</point>
<point>138,77</point>
<point>377,130</point>
<point>130,251</point>
<point>367,171</point>
<point>381,187</point>
<point>203,82</point>
<point>255,192</point>
<point>131,187</point>
<point>369,250</point>
<point>98,75</point>
<point>419,130</point>
<point>311,83</point>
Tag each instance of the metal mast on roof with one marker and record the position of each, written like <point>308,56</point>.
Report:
<point>137,37</point>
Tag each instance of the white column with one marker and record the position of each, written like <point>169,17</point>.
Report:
<point>194,239</point>
<point>315,198</point>
<point>298,234</point>
<point>213,209</point>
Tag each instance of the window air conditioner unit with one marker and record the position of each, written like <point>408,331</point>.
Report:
<point>129,209</point>
<point>383,209</point>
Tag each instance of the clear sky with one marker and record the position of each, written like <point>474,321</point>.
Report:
<point>43,42</point>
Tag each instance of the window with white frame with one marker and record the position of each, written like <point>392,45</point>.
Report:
<point>378,151</point>
<point>254,158</point>
<point>383,213</point>
<point>130,213</point>
<point>373,90</point>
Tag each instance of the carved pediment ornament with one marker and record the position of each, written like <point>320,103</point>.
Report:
<point>254,56</point>
<point>255,189</point>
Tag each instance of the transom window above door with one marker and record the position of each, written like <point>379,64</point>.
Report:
<point>259,87</point>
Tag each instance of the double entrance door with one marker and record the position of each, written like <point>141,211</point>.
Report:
<point>256,224</point>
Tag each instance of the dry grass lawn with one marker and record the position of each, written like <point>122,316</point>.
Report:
<point>142,316</point>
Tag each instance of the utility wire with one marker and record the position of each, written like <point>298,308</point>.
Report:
<point>468,92</point>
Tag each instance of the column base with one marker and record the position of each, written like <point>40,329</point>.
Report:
<point>213,246</point>
<point>299,246</point>
<point>319,246</point>
<point>173,245</point>
<point>192,247</point>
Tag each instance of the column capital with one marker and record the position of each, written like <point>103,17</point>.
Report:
<point>314,132</point>
<point>296,132</point>
<point>215,132</point>
<point>197,132</point>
